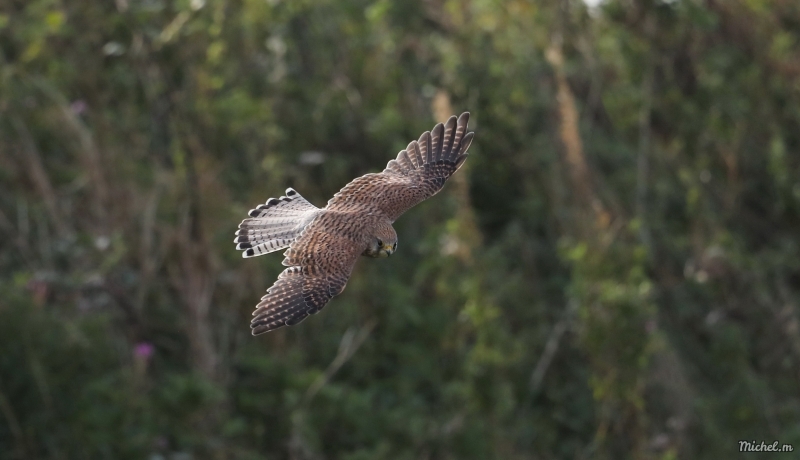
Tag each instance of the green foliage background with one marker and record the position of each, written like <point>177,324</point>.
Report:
<point>645,307</point>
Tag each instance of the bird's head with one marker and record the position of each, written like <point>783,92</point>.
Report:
<point>383,242</point>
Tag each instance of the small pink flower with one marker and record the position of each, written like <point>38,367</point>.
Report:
<point>144,350</point>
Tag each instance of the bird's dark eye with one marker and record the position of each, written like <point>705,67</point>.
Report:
<point>394,246</point>
<point>380,243</point>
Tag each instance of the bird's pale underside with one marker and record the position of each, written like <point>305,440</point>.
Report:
<point>324,244</point>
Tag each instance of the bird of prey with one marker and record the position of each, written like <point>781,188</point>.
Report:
<point>324,244</point>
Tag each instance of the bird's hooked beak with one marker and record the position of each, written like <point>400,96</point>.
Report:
<point>386,250</point>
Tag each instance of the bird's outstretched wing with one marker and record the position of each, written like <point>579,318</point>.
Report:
<point>319,265</point>
<point>417,173</point>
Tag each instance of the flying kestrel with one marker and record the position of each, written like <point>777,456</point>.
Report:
<point>324,244</point>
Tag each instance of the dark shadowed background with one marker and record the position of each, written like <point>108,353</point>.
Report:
<point>614,274</point>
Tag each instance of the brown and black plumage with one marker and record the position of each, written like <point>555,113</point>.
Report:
<point>324,244</point>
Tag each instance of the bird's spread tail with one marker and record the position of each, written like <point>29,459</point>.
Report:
<point>274,225</point>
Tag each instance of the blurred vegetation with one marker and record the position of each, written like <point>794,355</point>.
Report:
<point>615,273</point>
